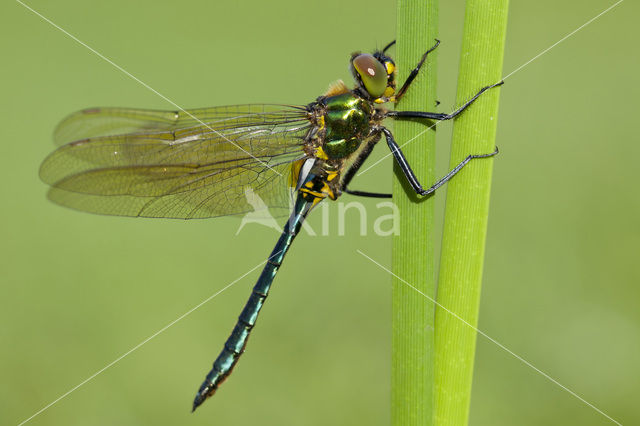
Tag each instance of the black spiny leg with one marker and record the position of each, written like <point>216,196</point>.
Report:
<point>438,115</point>
<point>388,46</point>
<point>411,177</point>
<point>367,194</point>
<point>414,72</point>
<point>359,161</point>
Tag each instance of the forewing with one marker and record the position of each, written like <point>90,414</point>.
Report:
<point>96,122</point>
<point>234,165</point>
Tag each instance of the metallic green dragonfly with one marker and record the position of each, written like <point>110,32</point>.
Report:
<point>200,163</point>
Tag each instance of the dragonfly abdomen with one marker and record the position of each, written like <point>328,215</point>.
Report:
<point>235,344</point>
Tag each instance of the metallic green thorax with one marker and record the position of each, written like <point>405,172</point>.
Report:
<point>347,121</point>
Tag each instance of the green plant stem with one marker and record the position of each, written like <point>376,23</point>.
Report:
<point>412,259</point>
<point>467,210</point>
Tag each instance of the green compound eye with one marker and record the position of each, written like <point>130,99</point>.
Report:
<point>372,73</point>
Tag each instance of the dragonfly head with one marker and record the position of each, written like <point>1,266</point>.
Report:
<point>374,75</point>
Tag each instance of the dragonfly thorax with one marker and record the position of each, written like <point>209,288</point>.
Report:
<point>347,120</point>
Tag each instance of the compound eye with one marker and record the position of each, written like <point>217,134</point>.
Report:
<point>372,73</point>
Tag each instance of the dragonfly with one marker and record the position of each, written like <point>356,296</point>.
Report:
<point>201,163</point>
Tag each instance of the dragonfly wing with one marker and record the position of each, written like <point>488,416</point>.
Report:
<point>96,122</point>
<point>224,168</point>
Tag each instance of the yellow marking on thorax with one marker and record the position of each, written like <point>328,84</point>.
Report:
<point>295,172</point>
<point>331,176</point>
<point>321,154</point>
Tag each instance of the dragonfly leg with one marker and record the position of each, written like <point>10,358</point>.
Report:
<point>355,166</point>
<point>388,46</point>
<point>367,194</point>
<point>410,175</point>
<point>438,115</point>
<point>414,72</point>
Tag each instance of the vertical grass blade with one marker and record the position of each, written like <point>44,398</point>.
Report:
<point>413,248</point>
<point>467,209</point>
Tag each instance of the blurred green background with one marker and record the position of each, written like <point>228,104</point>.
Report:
<point>79,290</point>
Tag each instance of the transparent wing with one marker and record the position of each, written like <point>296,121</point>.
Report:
<point>239,159</point>
<point>95,122</point>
